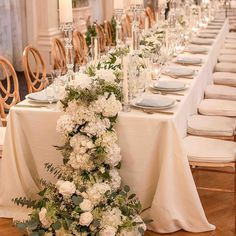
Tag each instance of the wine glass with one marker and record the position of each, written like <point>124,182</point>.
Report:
<point>49,90</point>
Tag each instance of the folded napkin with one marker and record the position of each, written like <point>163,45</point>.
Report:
<point>206,35</point>
<point>196,49</point>
<point>169,85</point>
<point>188,60</point>
<point>40,96</point>
<point>179,71</point>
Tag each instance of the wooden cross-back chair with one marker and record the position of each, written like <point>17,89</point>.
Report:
<point>35,77</point>
<point>108,33</point>
<point>102,38</point>
<point>59,55</point>
<point>9,87</point>
<point>151,16</point>
<point>80,48</point>
<point>126,26</point>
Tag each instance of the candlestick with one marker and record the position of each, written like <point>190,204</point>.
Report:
<point>118,17</point>
<point>65,11</point>
<point>126,105</point>
<point>95,46</point>
<point>146,24</point>
<point>68,31</point>
<point>119,4</point>
<point>137,2</point>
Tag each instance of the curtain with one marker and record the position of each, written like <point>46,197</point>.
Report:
<point>12,31</point>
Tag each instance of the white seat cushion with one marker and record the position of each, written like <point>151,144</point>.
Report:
<point>211,126</point>
<point>2,138</point>
<point>217,107</point>
<point>231,36</point>
<point>201,149</point>
<point>230,45</point>
<point>225,78</point>
<point>225,67</point>
<point>228,51</point>
<point>233,41</point>
<point>220,92</point>
<point>227,58</point>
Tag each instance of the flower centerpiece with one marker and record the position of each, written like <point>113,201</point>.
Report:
<point>88,198</point>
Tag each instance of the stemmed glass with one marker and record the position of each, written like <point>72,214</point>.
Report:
<point>49,90</point>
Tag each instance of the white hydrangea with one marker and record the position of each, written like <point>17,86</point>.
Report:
<point>80,161</point>
<point>109,106</point>
<point>81,144</point>
<point>112,217</point>
<point>113,155</point>
<point>96,128</point>
<point>65,124</point>
<point>81,81</point>
<point>106,139</point>
<point>66,188</point>
<point>107,75</point>
<point>96,192</point>
<point>46,222</point>
<point>86,219</point>
<point>86,205</point>
<point>115,179</point>
<point>108,231</point>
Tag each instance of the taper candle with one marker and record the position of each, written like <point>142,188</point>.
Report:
<point>119,4</point>
<point>65,11</point>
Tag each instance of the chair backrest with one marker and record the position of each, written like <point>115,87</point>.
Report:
<point>59,55</point>
<point>9,87</point>
<point>151,16</point>
<point>80,48</point>
<point>108,33</point>
<point>126,26</point>
<point>34,74</point>
<point>101,35</point>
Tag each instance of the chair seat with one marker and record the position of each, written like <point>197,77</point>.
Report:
<point>220,92</point>
<point>225,67</point>
<point>230,41</point>
<point>230,45</point>
<point>216,126</point>
<point>2,138</point>
<point>227,58</point>
<point>225,78</point>
<point>217,107</point>
<point>200,149</point>
<point>231,36</point>
<point>228,51</point>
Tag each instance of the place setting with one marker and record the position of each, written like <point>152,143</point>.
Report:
<point>188,61</point>
<point>152,104</point>
<point>195,49</point>
<point>179,72</point>
<point>201,41</point>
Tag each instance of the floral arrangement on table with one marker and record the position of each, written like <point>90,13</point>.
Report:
<point>87,199</point>
<point>152,41</point>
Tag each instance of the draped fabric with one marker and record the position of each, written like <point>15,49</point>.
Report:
<point>12,31</point>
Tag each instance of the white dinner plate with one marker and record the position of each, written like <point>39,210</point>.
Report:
<point>154,102</point>
<point>206,35</point>
<point>179,71</point>
<point>194,49</point>
<point>188,60</point>
<point>201,41</point>
<point>169,86</point>
<point>39,97</point>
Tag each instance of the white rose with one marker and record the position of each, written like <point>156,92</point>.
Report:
<point>108,231</point>
<point>86,205</point>
<point>43,218</point>
<point>85,219</point>
<point>66,188</point>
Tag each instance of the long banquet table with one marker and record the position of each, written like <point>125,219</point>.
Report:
<point>154,163</point>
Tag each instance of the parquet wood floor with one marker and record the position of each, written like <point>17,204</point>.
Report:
<point>218,207</point>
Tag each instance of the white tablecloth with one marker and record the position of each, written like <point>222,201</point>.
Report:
<point>154,163</point>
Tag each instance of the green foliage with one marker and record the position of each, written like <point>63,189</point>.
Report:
<point>91,32</point>
<point>113,30</point>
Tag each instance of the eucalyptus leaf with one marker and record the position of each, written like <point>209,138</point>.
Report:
<point>57,225</point>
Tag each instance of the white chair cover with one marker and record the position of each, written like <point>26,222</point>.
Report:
<point>211,126</point>
<point>220,92</point>
<point>217,107</point>
<point>230,45</point>
<point>225,78</point>
<point>225,67</point>
<point>227,58</point>
<point>201,149</point>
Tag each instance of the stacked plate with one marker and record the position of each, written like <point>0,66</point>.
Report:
<point>179,71</point>
<point>201,41</point>
<point>169,86</point>
<point>188,60</point>
<point>154,102</point>
<point>39,97</point>
<point>206,35</point>
<point>194,49</point>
